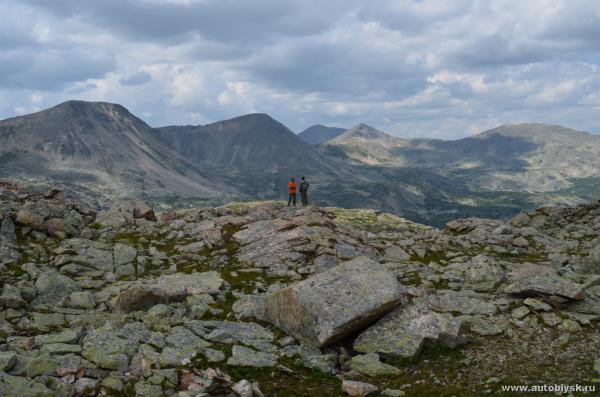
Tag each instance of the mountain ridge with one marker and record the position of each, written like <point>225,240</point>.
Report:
<point>106,150</point>
<point>320,133</point>
<point>99,141</point>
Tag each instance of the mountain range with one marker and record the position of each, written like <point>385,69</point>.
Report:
<point>528,157</point>
<point>102,150</point>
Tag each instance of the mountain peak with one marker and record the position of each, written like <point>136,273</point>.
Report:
<point>255,117</point>
<point>88,107</point>
<point>364,131</point>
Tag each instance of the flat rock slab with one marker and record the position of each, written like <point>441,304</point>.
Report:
<point>246,357</point>
<point>170,288</point>
<point>404,331</point>
<point>544,286</point>
<point>454,301</point>
<point>178,286</point>
<point>333,304</point>
<point>369,364</point>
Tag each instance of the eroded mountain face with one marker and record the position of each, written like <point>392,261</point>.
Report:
<point>100,147</point>
<point>262,299</point>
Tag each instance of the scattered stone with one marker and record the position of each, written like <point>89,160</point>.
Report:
<point>520,312</point>
<point>140,297</point>
<point>28,218</point>
<point>458,302</point>
<point>394,253</point>
<point>52,287</point>
<point>11,297</point>
<point>392,393</point>
<point>7,360</point>
<point>22,387</point>
<point>243,356</point>
<point>370,365</point>
<point>358,389</point>
<point>142,210</point>
<point>243,388</point>
<point>83,385</point>
<point>179,286</point>
<point>9,250</point>
<point>123,254</point>
<point>537,305</point>
<point>570,326</point>
<point>545,286</point>
<point>551,319</point>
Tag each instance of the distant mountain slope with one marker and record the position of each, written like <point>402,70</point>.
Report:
<point>319,133</point>
<point>98,145</point>
<point>365,144</point>
<point>253,152</point>
<point>258,155</point>
<point>529,157</point>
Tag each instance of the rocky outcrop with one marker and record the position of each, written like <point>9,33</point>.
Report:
<point>155,308</point>
<point>335,303</point>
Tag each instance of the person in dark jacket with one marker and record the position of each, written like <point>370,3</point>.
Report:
<point>292,191</point>
<point>304,185</point>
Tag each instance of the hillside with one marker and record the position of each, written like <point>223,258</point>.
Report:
<point>367,145</point>
<point>97,146</point>
<point>523,157</point>
<point>258,155</point>
<point>259,299</point>
<point>319,133</point>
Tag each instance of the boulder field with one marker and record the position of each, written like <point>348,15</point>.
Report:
<point>259,299</point>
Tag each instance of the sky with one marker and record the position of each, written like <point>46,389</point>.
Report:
<point>440,68</point>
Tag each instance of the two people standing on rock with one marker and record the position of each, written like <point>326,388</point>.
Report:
<point>292,188</point>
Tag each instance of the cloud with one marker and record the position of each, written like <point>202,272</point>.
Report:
<point>136,79</point>
<point>430,68</point>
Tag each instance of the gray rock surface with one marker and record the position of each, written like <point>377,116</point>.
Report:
<point>403,332</point>
<point>9,254</point>
<point>335,303</point>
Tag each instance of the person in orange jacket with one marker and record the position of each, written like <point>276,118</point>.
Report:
<point>292,191</point>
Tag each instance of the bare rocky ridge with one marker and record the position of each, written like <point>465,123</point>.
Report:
<point>199,303</point>
<point>100,146</point>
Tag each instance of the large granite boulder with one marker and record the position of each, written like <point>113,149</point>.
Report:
<point>333,304</point>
